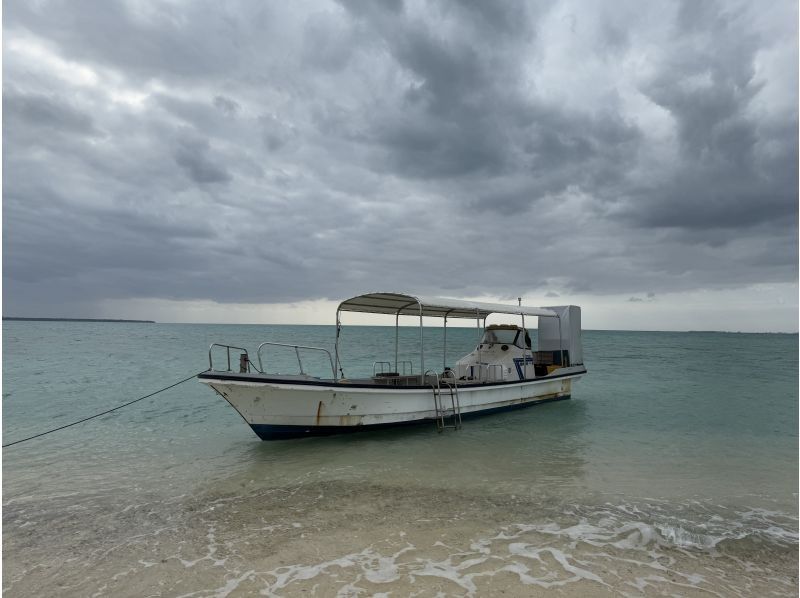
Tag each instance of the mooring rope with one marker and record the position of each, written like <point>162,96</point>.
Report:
<point>80,421</point>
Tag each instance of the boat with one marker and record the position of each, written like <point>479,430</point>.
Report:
<point>503,372</point>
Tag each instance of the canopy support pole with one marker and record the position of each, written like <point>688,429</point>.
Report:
<point>560,341</point>
<point>480,345</point>
<point>444,351</point>
<point>338,367</point>
<point>396,339</point>
<point>421,348</point>
<point>524,344</point>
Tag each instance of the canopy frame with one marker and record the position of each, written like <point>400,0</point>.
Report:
<point>398,304</point>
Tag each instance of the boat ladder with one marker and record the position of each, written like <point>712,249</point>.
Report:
<point>446,416</point>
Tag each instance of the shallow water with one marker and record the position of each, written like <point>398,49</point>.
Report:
<point>673,470</point>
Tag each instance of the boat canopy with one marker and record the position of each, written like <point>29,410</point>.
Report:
<point>409,305</point>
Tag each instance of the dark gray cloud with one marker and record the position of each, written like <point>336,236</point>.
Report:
<point>43,115</point>
<point>192,154</point>
<point>243,152</point>
<point>723,175</point>
<point>228,106</point>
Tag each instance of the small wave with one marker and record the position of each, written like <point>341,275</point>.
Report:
<point>287,540</point>
<point>678,536</point>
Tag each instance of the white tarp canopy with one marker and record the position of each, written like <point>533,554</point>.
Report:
<point>408,305</point>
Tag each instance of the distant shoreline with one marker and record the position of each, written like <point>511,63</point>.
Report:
<point>372,326</point>
<point>78,320</point>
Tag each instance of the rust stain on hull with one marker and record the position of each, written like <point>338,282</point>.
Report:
<point>319,410</point>
<point>350,420</point>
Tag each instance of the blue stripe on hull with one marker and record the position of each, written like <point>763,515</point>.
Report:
<point>275,432</point>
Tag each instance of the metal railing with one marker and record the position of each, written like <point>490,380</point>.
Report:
<point>493,367</point>
<point>242,351</point>
<point>388,368</point>
<point>375,365</point>
<point>482,372</point>
<point>448,374</point>
<point>297,352</point>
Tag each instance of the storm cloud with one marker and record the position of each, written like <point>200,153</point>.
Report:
<point>263,153</point>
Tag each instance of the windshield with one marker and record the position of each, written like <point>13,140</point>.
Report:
<point>505,337</point>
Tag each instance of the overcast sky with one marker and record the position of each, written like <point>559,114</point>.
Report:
<point>257,162</point>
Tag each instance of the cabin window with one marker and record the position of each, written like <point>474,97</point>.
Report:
<point>506,337</point>
<point>502,337</point>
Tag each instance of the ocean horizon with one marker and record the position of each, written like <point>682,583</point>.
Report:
<point>376,325</point>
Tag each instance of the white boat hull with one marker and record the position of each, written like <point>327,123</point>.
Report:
<point>290,407</point>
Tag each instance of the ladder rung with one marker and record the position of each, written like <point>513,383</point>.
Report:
<point>453,413</point>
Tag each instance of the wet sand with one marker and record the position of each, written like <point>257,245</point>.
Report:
<point>349,539</point>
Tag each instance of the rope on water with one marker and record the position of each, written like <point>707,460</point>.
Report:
<point>80,421</point>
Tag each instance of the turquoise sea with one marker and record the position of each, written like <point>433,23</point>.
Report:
<point>672,471</point>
